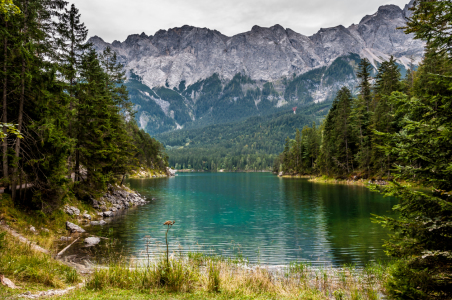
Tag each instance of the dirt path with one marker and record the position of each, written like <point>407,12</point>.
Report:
<point>24,239</point>
<point>50,293</point>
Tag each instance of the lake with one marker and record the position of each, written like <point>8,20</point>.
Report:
<point>258,216</point>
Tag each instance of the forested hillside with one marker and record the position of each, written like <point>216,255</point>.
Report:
<point>252,144</point>
<point>398,129</point>
<point>70,104</point>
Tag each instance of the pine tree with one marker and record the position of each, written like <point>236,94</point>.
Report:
<point>72,34</point>
<point>422,233</point>
<point>361,117</point>
<point>382,121</point>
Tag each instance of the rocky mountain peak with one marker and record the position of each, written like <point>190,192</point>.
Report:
<point>191,54</point>
<point>406,11</point>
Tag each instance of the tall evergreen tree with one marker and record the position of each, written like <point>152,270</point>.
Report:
<point>361,116</point>
<point>382,121</point>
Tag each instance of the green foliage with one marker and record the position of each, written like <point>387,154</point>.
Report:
<point>430,22</point>
<point>21,263</point>
<point>71,108</point>
<point>2,240</point>
<point>402,130</point>
<point>10,129</point>
<point>252,144</point>
<point>8,9</point>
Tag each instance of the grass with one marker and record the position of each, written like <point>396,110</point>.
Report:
<point>199,276</point>
<point>31,270</point>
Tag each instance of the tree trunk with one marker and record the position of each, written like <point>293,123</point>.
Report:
<point>21,188</point>
<point>19,127</point>
<point>21,112</point>
<point>77,166</point>
<point>5,112</point>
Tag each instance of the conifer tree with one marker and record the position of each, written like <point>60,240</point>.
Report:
<point>361,116</point>
<point>422,233</point>
<point>382,121</point>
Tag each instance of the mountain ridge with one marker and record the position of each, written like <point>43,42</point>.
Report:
<point>191,53</point>
<point>189,76</point>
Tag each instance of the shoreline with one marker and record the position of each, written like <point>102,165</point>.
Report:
<point>358,182</point>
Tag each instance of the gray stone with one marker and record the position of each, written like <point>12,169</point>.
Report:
<point>108,214</point>
<point>87,216</point>
<point>71,210</point>
<point>65,238</point>
<point>33,230</point>
<point>74,228</point>
<point>92,241</point>
<point>45,229</point>
<point>95,223</point>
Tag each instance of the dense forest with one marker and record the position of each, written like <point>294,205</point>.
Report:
<point>400,130</point>
<point>351,140</point>
<point>249,145</point>
<point>77,127</point>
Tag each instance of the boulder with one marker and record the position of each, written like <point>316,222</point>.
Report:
<point>74,228</point>
<point>108,214</point>
<point>5,281</point>
<point>92,241</point>
<point>96,204</point>
<point>101,222</point>
<point>87,216</point>
<point>71,210</point>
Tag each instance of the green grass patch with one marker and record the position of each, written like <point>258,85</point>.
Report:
<point>29,269</point>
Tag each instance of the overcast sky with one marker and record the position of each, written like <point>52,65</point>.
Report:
<point>116,19</point>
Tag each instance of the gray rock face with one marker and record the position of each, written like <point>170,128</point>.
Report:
<point>74,228</point>
<point>71,210</point>
<point>190,53</point>
<point>87,216</point>
<point>92,241</point>
<point>108,214</point>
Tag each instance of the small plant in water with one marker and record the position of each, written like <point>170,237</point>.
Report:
<point>169,224</point>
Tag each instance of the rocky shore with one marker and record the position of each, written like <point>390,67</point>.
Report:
<point>114,202</point>
<point>110,204</point>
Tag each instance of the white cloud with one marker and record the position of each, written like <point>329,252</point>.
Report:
<point>115,20</point>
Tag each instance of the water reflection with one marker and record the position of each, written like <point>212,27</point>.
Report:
<point>258,215</point>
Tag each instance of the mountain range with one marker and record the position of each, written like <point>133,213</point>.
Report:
<point>192,77</point>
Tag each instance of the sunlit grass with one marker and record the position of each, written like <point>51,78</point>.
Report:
<point>29,269</point>
<point>216,277</point>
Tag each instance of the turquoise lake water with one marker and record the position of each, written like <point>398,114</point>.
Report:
<point>258,216</point>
